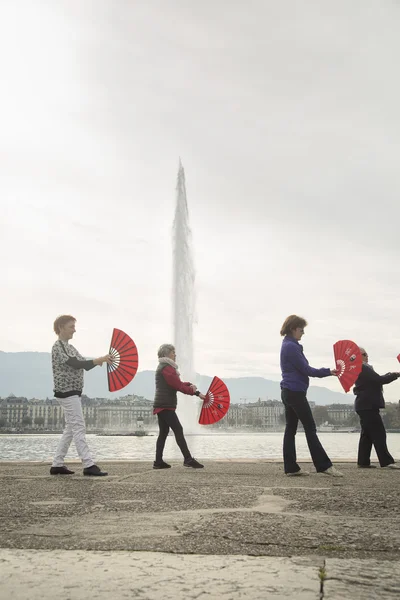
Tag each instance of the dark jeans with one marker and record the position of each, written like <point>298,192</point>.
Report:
<point>297,409</point>
<point>169,419</point>
<point>372,432</point>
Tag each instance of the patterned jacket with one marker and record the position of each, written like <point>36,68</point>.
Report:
<point>68,366</point>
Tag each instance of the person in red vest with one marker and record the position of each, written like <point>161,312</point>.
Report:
<point>168,383</point>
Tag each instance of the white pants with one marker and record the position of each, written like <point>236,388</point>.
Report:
<point>74,429</point>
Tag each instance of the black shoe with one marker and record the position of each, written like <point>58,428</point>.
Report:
<point>94,471</point>
<point>60,471</point>
<point>192,462</point>
<point>366,466</point>
<point>161,465</point>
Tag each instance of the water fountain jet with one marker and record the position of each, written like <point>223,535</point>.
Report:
<point>184,303</point>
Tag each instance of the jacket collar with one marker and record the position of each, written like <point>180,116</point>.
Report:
<point>289,339</point>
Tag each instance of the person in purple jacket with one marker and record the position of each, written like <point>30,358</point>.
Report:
<point>294,385</point>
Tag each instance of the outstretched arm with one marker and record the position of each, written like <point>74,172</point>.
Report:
<point>370,376</point>
<point>61,355</point>
<point>76,363</point>
<point>170,376</point>
<point>299,362</point>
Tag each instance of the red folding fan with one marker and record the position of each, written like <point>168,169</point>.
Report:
<point>125,361</point>
<point>398,357</point>
<point>216,404</point>
<point>348,362</point>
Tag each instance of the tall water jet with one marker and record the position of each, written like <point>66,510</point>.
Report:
<point>184,301</point>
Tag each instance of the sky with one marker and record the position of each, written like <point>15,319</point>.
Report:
<point>286,119</point>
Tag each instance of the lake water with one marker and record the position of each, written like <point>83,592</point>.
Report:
<point>207,446</point>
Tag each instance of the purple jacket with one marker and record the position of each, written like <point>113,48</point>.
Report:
<point>295,368</point>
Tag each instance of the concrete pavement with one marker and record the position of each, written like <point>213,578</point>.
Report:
<point>233,530</point>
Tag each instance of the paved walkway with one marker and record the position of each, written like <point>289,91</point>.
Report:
<point>233,530</point>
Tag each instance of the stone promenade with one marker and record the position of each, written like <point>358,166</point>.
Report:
<point>234,530</point>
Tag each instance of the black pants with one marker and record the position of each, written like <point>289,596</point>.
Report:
<point>372,432</point>
<point>169,419</point>
<point>297,409</point>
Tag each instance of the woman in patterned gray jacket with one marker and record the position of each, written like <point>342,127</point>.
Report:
<point>68,366</point>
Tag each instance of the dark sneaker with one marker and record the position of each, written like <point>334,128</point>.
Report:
<point>192,462</point>
<point>60,471</point>
<point>94,471</point>
<point>161,465</point>
<point>366,466</point>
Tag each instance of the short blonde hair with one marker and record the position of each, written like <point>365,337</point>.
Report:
<point>61,321</point>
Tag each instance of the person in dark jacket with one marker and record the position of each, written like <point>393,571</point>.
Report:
<point>168,383</point>
<point>369,400</point>
<point>294,385</point>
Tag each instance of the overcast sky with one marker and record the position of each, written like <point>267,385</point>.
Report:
<point>286,118</point>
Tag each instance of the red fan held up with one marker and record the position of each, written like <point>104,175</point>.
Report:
<point>125,361</point>
<point>216,404</point>
<point>348,362</point>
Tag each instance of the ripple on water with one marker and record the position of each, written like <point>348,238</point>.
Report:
<point>209,446</point>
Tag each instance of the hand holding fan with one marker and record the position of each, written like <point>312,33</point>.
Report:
<point>125,361</point>
<point>216,404</point>
<point>348,362</point>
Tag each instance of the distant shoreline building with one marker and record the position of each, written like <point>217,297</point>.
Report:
<point>99,413</point>
<point>129,412</point>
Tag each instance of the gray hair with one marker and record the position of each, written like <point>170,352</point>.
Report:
<point>164,350</point>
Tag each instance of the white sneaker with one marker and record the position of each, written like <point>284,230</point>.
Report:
<point>392,466</point>
<point>297,474</point>
<point>332,472</point>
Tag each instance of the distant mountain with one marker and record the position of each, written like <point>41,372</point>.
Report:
<point>29,374</point>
